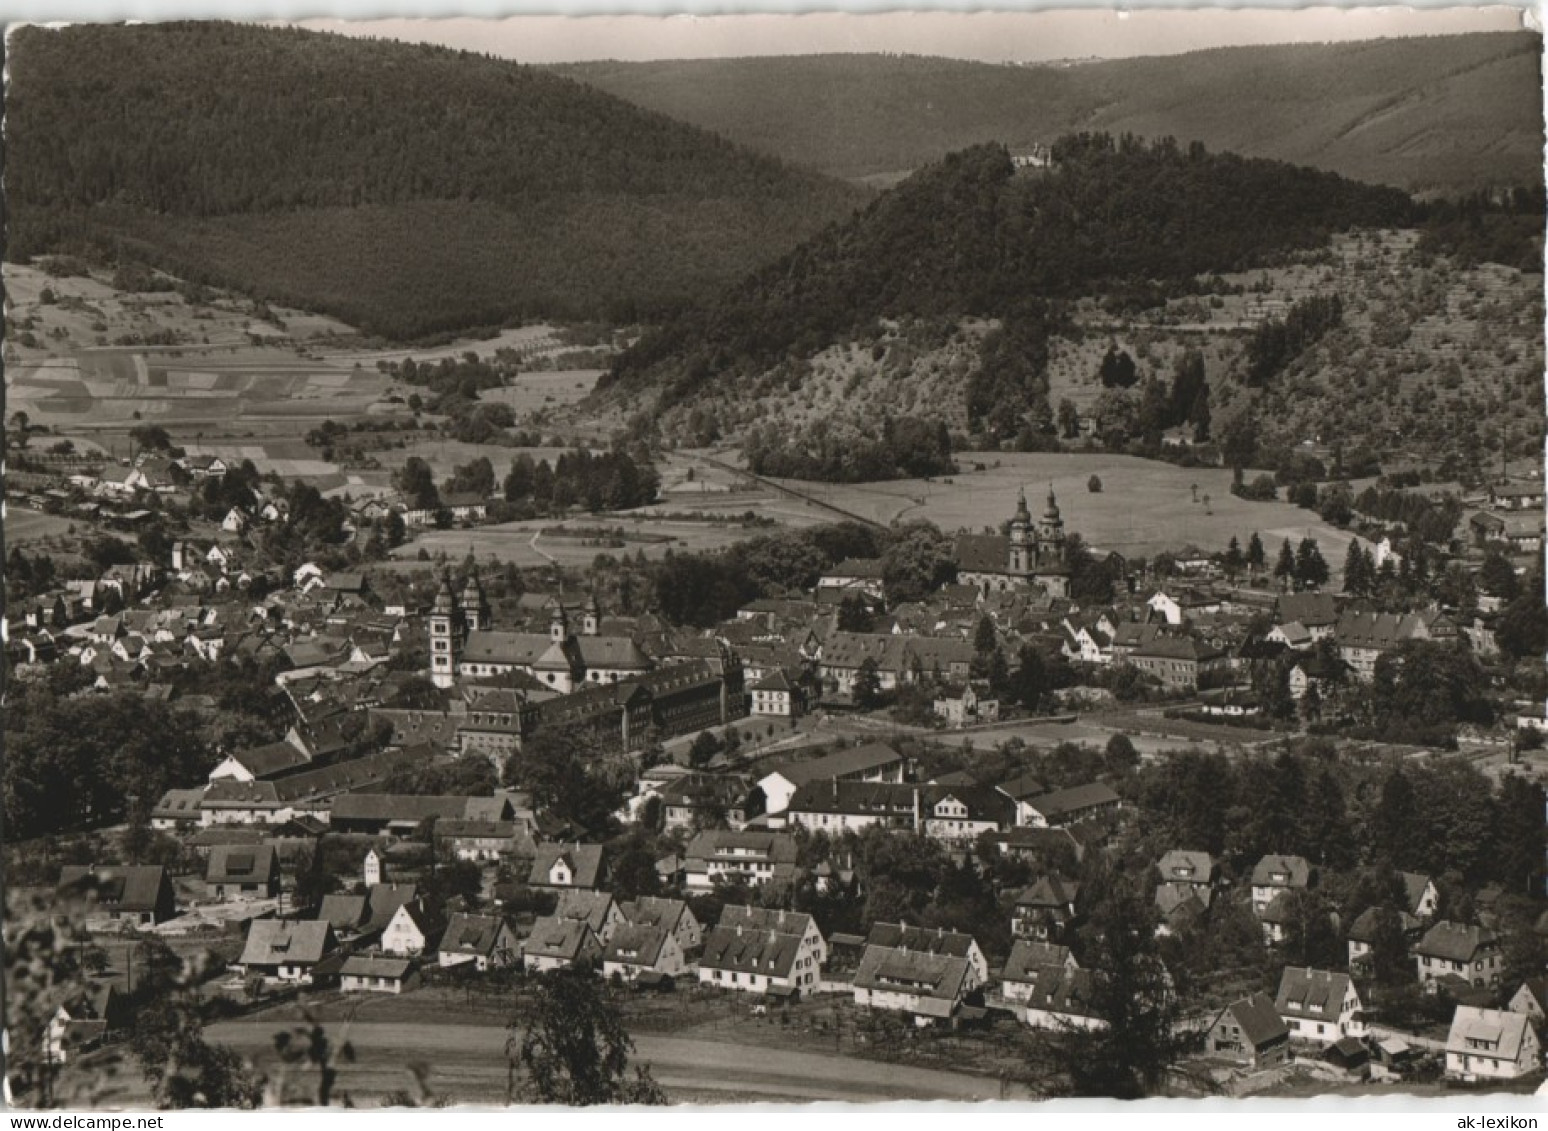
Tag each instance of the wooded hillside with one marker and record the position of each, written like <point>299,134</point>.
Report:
<point>409,189</point>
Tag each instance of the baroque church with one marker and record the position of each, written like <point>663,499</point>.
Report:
<point>1030,554</point>
<point>464,642</point>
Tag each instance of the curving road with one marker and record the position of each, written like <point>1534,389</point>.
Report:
<point>467,1063</point>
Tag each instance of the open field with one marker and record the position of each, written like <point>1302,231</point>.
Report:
<point>24,525</point>
<point>544,389</point>
<point>1144,506</point>
<point>467,1062</point>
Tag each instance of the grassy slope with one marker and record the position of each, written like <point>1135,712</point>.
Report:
<point>410,189</point>
<point>1442,113</point>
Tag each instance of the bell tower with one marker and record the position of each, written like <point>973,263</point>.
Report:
<point>558,625</point>
<point>446,631</point>
<point>1050,533</point>
<point>1020,558</point>
<point>475,606</point>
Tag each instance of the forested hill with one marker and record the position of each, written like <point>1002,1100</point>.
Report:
<point>405,188</point>
<point>1443,114</point>
<point>971,236</point>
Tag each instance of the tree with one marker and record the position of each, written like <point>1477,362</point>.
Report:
<point>1356,580</point>
<point>1131,992</point>
<point>571,1048</point>
<point>854,615</point>
<point>1031,679</point>
<point>1522,631</point>
<point>1497,577</point>
<point>1284,568</point>
<point>183,1069</point>
<point>1311,571</point>
<point>1120,755</point>
<point>1234,560</point>
<point>1255,555</point>
<point>1094,485</point>
<point>1117,369</point>
<point>416,483</point>
<point>867,685</point>
<point>1069,419</point>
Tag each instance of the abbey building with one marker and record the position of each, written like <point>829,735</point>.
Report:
<point>1029,554</point>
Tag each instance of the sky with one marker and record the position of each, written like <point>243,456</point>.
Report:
<point>987,36</point>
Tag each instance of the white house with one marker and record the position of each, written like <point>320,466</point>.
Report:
<point>1318,1005</point>
<point>407,931</point>
<point>373,973</point>
<point>1491,1044</point>
<point>643,950</point>
<point>480,941</point>
<point>749,957</point>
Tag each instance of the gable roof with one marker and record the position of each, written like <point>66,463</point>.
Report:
<point>1183,866</point>
<point>1295,869</point>
<point>856,760</point>
<point>636,944</point>
<point>585,862</point>
<point>1503,1031</point>
<point>766,952</point>
<point>590,907</point>
<point>766,919</point>
<point>1061,803</point>
<point>375,966</point>
<point>133,887</point>
<point>901,936</point>
<point>471,934</point>
<point>1310,993</point>
<point>935,980</point>
<point>271,759</point>
<point>553,937</point>
<point>272,942</point>
<point>654,911</point>
<point>1454,941</point>
<point>1027,956</point>
<point>246,864</point>
<point>1261,1025</point>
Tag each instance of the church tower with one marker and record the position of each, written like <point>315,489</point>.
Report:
<point>1050,533</point>
<point>1020,559</point>
<point>592,624</point>
<point>476,615</point>
<point>446,629</point>
<point>558,626</point>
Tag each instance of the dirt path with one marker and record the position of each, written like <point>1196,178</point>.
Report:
<point>467,1064</point>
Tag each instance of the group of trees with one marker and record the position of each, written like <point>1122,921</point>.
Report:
<point>605,481</point>
<point>1277,342</point>
<point>704,589</point>
<point>907,447</point>
<point>1303,567</point>
<point>1440,816</point>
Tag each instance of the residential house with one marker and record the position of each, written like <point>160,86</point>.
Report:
<point>872,762</point>
<point>1317,613</point>
<point>929,986</point>
<point>177,809</point>
<point>138,893</point>
<point>286,950</point>
<point>953,814</point>
<point>860,576</point>
<point>1046,909</point>
<point>781,694</point>
<point>744,917</point>
<point>1058,998</point>
<point>83,1022</point>
<point>594,908</point>
<point>479,941</point>
<point>237,872</point>
<point>1018,979</point>
<point>719,856</point>
<point>374,973</point>
<point>1250,1032</point>
<point>937,940</point>
<point>673,915</point>
<point>1319,1005</point>
<point>1182,663</point>
<point>567,865</point>
<point>1276,874</point>
<point>962,706</point>
<point>560,944</point>
<point>262,763</point>
<point>1181,605</point>
<point>1491,1044</point>
<point>694,800</point>
<point>1459,954</point>
<point>637,950</point>
<point>753,959</point>
<point>1195,871</point>
<point>407,933</point>
<point>1531,1000</point>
